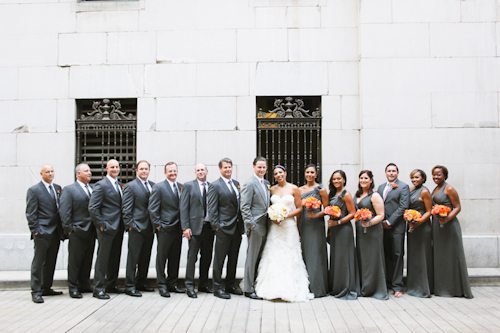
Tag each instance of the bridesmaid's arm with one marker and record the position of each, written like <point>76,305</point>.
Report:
<point>427,198</point>
<point>351,210</point>
<point>378,205</point>
<point>298,202</point>
<point>455,201</point>
<point>324,201</point>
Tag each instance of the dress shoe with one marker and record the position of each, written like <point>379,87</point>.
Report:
<point>85,290</point>
<point>164,292</point>
<point>100,295</point>
<point>176,290</point>
<point>75,294</point>
<point>206,289</point>
<point>252,296</point>
<point>145,288</point>
<point>36,298</point>
<point>191,293</point>
<point>115,290</point>
<point>234,291</point>
<point>51,292</point>
<point>133,293</point>
<point>221,294</point>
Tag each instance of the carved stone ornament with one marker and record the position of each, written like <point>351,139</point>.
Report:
<point>107,110</point>
<point>292,108</point>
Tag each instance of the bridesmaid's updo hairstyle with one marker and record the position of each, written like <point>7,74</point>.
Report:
<point>279,166</point>
<point>332,188</point>
<point>443,169</point>
<point>311,165</point>
<point>372,185</point>
<point>422,173</point>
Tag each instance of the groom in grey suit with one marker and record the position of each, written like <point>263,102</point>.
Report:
<point>254,205</point>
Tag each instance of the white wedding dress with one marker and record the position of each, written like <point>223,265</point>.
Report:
<point>282,273</point>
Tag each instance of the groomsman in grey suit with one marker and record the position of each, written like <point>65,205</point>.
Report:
<point>106,213</point>
<point>140,230</point>
<point>165,215</point>
<point>254,206</point>
<point>396,195</point>
<point>77,223</point>
<point>42,202</point>
<point>196,228</point>
<point>225,215</point>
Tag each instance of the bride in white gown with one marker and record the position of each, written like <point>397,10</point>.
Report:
<point>282,273</point>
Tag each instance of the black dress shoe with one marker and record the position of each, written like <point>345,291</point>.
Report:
<point>206,289</point>
<point>133,293</point>
<point>75,294</point>
<point>176,290</point>
<point>252,296</point>
<point>51,292</point>
<point>100,295</point>
<point>145,288</point>
<point>234,291</point>
<point>115,290</point>
<point>221,294</point>
<point>85,290</point>
<point>164,292</point>
<point>191,294</point>
<point>36,298</point>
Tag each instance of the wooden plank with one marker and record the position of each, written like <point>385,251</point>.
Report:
<point>254,322</point>
<point>203,313</point>
<point>241,316</point>
<point>215,314</point>
<point>333,312</point>
<point>309,319</point>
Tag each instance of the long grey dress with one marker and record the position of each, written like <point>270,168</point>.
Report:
<point>450,269</point>
<point>313,240</point>
<point>342,277</point>
<point>370,254</point>
<point>420,272</point>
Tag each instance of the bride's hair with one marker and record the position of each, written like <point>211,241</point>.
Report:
<point>372,185</point>
<point>280,167</point>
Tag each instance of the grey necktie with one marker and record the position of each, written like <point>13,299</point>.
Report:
<point>176,192</point>
<point>118,188</point>
<point>386,190</point>
<point>87,189</point>
<point>146,186</point>
<point>204,199</point>
<point>53,194</point>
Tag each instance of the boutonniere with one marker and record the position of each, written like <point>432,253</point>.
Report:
<point>123,186</point>
<point>180,188</point>
<point>268,187</point>
<point>394,186</point>
<point>238,186</point>
<point>58,192</point>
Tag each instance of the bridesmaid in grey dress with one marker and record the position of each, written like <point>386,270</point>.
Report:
<point>342,277</point>
<point>370,244</point>
<point>450,269</point>
<point>312,235</point>
<point>420,272</point>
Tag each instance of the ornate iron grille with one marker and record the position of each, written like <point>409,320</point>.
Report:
<point>105,130</point>
<point>289,134</point>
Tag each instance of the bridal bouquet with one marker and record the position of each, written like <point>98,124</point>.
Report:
<point>442,211</point>
<point>362,215</point>
<point>277,212</point>
<point>311,203</point>
<point>411,215</point>
<point>334,212</point>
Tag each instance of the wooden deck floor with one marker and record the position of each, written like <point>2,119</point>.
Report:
<point>152,313</point>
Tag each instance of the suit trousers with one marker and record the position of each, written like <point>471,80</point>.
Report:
<point>203,244</point>
<point>394,252</point>
<point>139,255</point>
<point>107,263</point>
<point>256,243</point>
<point>226,245</point>
<point>169,248</point>
<point>46,247</point>
<point>81,252</point>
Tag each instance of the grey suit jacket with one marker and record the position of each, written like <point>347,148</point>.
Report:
<point>223,208</point>
<point>395,204</point>
<point>254,204</point>
<point>105,207</point>
<point>192,214</point>
<point>41,210</point>
<point>135,203</point>
<point>164,207</point>
<point>74,211</point>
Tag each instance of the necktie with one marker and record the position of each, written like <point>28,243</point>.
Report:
<point>176,192</point>
<point>386,190</point>
<point>146,186</point>
<point>53,194</point>
<point>87,190</point>
<point>118,188</point>
<point>204,199</point>
<point>263,183</point>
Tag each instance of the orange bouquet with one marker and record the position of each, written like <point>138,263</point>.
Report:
<point>333,211</point>
<point>412,215</point>
<point>362,215</point>
<point>311,203</point>
<point>442,211</point>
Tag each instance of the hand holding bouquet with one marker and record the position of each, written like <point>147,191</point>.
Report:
<point>277,212</point>
<point>334,212</point>
<point>411,216</point>
<point>442,211</point>
<point>311,203</point>
<point>363,215</point>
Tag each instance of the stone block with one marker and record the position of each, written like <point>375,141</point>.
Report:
<point>340,13</point>
<point>479,180</point>
<point>346,145</point>
<point>349,106</point>
<point>396,110</point>
<point>43,82</point>
<point>66,115</point>
<point>477,217</point>
<point>195,46</point>
<point>123,48</point>
<point>287,17</point>
<point>465,110</point>
<point>46,17</point>
<point>375,11</point>
<point>17,180</point>
<point>214,113</point>
<point>107,21</point>
<point>309,44</point>
<point>9,83</point>
<point>286,3</point>
<point>330,111</point>
<point>262,45</point>
<point>481,251</point>
<point>36,115</point>
<point>246,113</point>
<point>343,78</point>
<point>8,144</point>
<point>479,11</point>
<point>146,114</point>
<point>426,11</point>
<point>10,18</point>
<point>236,14</point>
<point>161,147</point>
<point>463,39</point>
<point>40,148</point>
<point>82,49</point>
<point>17,251</point>
<point>222,79</point>
<point>105,81</point>
<point>168,15</point>
<point>290,78</point>
<point>170,80</point>
<point>17,50</point>
<point>239,146</point>
<point>394,40</point>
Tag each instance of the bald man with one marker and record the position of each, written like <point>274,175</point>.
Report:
<point>105,210</point>
<point>42,205</point>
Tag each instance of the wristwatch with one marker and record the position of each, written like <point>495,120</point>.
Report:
<point>340,222</point>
